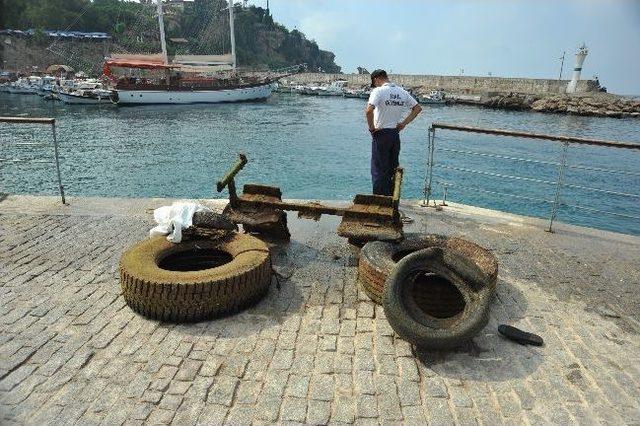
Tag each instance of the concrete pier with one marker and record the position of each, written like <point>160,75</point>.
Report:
<point>456,84</point>
<point>317,350</point>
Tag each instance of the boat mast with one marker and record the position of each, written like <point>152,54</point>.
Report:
<point>163,42</point>
<point>233,35</point>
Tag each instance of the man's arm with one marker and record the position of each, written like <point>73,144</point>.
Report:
<point>368,112</point>
<point>413,114</point>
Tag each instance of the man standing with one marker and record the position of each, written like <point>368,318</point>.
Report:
<point>389,110</point>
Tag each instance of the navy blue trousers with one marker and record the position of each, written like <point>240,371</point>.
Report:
<point>385,148</point>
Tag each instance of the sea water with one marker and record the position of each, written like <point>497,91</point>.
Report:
<point>320,148</point>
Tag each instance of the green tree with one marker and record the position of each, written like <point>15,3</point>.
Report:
<point>260,41</point>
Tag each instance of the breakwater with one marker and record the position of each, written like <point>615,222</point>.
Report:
<point>594,104</point>
<point>456,84</point>
<point>541,95</point>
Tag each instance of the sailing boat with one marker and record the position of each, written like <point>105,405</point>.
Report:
<point>182,83</point>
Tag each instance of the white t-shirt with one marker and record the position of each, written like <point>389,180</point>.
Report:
<point>391,105</point>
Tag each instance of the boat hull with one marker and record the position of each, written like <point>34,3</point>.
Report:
<point>22,91</point>
<point>75,99</point>
<point>242,94</point>
<point>431,102</point>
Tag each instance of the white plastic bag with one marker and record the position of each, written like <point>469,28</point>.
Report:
<point>173,219</point>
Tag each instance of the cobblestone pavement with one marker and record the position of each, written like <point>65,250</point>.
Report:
<point>317,350</point>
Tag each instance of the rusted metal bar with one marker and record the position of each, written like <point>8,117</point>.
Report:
<point>26,120</point>
<point>569,139</point>
<point>242,160</point>
<point>319,209</point>
<point>283,205</point>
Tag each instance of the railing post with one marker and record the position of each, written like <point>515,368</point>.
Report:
<point>445,187</point>
<point>559,183</point>
<point>55,150</point>
<point>431,135</point>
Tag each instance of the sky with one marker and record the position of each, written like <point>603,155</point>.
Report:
<point>507,38</point>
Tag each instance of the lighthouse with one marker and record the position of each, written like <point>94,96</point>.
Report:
<point>582,53</point>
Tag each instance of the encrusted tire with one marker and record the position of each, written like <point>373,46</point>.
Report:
<point>378,258</point>
<point>194,280</point>
<point>434,299</point>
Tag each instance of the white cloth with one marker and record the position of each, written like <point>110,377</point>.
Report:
<point>173,219</point>
<point>391,105</point>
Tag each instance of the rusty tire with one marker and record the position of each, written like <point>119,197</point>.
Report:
<point>194,295</point>
<point>430,301</point>
<point>378,258</point>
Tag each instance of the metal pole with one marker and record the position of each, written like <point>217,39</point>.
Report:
<point>233,35</point>
<point>55,150</point>
<point>430,148</point>
<point>445,187</point>
<point>561,65</point>
<point>560,182</point>
<point>163,42</point>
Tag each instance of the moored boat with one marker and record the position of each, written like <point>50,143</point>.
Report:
<point>25,86</point>
<point>187,78</point>
<point>435,97</point>
<point>84,97</point>
<point>139,93</point>
<point>87,93</point>
<point>336,88</point>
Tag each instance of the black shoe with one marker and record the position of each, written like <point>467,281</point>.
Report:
<point>517,335</point>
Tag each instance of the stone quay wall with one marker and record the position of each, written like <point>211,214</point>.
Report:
<point>455,84</point>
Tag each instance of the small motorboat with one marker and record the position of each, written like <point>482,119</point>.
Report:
<point>435,97</point>
<point>86,97</point>
<point>88,93</point>
<point>357,93</point>
<point>336,88</point>
<point>25,86</point>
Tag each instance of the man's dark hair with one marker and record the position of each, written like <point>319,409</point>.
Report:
<point>376,74</point>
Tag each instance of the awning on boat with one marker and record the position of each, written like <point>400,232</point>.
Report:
<point>125,63</point>
<point>186,63</point>
<point>148,62</point>
<point>136,64</point>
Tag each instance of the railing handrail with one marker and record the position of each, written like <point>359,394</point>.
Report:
<point>56,156</point>
<point>31,120</point>
<point>569,139</point>
<point>562,165</point>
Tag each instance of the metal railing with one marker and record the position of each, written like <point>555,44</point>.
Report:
<point>561,166</point>
<point>29,120</point>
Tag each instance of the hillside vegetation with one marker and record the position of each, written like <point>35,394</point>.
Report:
<point>199,27</point>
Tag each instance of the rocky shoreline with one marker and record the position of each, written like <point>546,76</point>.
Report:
<point>591,104</point>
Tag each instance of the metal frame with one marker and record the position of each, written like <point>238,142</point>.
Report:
<point>52,122</point>
<point>312,209</point>
<point>260,208</point>
<point>562,165</point>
